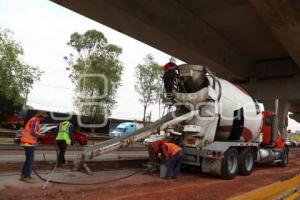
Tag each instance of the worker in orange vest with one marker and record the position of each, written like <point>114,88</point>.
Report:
<point>29,139</point>
<point>172,154</point>
<point>153,151</point>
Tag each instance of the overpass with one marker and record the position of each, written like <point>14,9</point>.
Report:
<point>254,43</point>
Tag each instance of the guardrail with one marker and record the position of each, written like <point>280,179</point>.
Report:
<point>11,146</point>
<point>4,134</point>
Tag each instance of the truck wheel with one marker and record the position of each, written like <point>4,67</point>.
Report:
<point>285,158</point>
<point>76,143</point>
<point>246,161</point>
<point>230,164</point>
<point>40,142</point>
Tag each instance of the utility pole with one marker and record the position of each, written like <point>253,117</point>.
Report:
<point>26,98</point>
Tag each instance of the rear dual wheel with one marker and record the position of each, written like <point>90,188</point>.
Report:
<point>246,158</point>
<point>235,162</point>
<point>230,164</point>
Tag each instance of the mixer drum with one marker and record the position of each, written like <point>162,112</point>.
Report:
<point>240,114</point>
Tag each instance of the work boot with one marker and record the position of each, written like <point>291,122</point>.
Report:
<point>27,180</point>
<point>21,178</point>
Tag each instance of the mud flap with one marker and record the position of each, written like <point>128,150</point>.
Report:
<point>211,166</point>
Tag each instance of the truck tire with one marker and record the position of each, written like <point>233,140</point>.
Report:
<point>77,143</point>
<point>230,164</point>
<point>246,159</point>
<point>285,157</point>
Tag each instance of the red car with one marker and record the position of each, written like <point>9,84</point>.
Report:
<point>49,135</point>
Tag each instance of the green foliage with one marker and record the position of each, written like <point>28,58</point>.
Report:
<point>16,77</point>
<point>149,82</point>
<point>94,56</point>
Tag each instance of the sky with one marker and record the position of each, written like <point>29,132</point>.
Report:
<point>43,28</point>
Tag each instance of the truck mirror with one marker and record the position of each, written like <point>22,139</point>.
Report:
<point>125,129</point>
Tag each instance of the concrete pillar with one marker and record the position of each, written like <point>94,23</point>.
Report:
<point>283,109</point>
<point>295,116</point>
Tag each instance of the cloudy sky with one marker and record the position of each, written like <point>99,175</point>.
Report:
<point>43,29</point>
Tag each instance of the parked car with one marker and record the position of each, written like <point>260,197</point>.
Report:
<point>49,135</point>
<point>291,143</point>
<point>124,129</point>
<point>13,122</point>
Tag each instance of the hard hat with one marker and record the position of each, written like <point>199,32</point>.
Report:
<point>172,60</point>
<point>41,114</point>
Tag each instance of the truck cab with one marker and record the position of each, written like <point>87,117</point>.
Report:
<point>124,129</point>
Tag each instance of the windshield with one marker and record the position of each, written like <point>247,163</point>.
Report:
<point>119,129</point>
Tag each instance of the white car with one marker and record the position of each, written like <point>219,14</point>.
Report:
<point>153,138</point>
<point>291,143</point>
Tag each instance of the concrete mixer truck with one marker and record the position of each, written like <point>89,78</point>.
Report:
<point>222,128</point>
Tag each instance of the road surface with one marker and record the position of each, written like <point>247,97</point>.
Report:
<point>191,185</point>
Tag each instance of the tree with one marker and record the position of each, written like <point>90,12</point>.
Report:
<point>96,57</point>
<point>149,83</point>
<point>16,77</point>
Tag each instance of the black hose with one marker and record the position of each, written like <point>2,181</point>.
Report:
<point>71,183</point>
<point>101,182</point>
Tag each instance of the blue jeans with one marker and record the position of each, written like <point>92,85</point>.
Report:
<point>174,165</point>
<point>29,153</point>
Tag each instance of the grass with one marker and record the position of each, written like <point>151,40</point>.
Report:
<point>7,130</point>
<point>6,140</point>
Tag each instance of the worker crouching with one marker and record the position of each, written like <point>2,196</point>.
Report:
<point>171,155</point>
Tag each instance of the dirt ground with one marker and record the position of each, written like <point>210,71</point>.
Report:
<point>191,184</point>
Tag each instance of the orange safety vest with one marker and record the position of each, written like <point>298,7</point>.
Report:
<point>172,149</point>
<point>27,133</point>
<point>155,145</point>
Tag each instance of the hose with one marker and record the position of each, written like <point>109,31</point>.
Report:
<point>100,182</point>
<point>52,172</point>
<point>72,183</point>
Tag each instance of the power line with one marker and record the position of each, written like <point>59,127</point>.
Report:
<point>54,86</point>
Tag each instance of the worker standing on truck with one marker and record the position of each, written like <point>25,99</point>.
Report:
<point>64,137</point>
<point>172,155</point>
<point>170,70</point>
<point>29,139</point>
